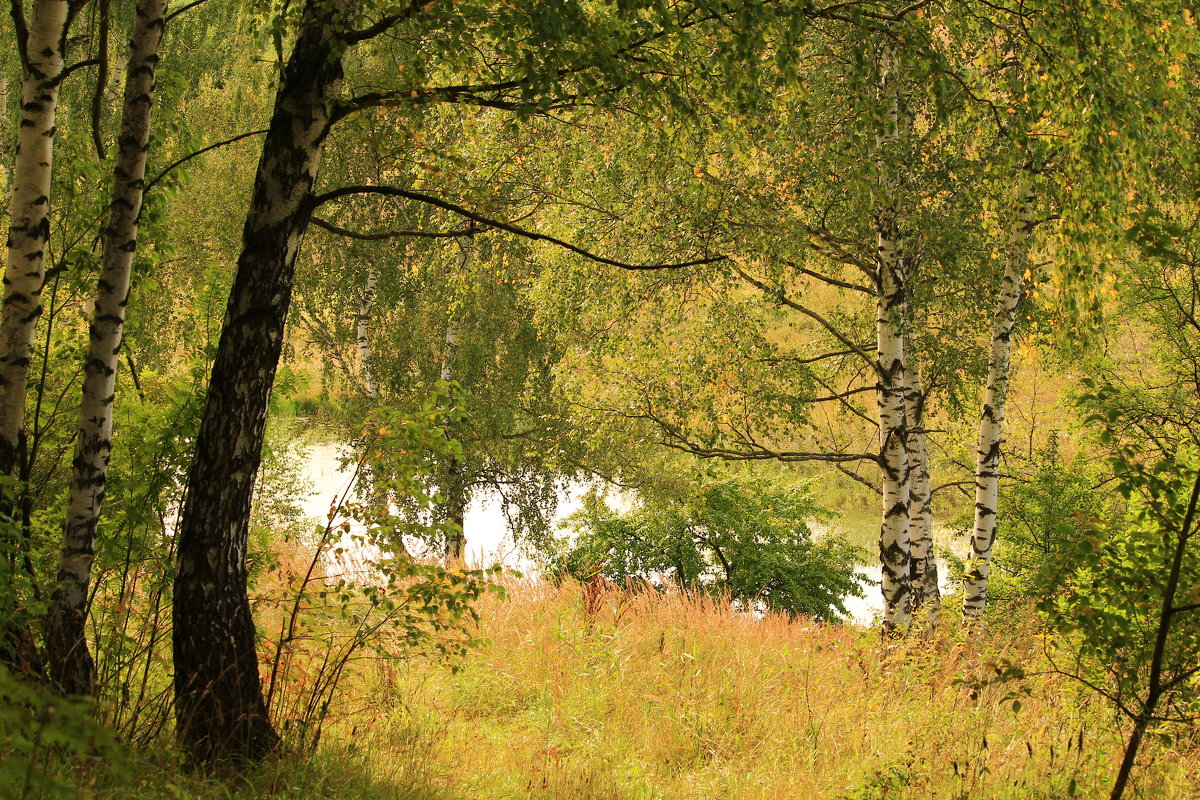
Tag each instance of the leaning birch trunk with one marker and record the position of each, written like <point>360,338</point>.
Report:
<point>991,422</point>
<point>219,707</point>
<point>922,574</point>
<point>69,662</point>
<point>891,301</point>
<point>29,223</point>
<point>42,68</point>
<point>363,333</point>
<point>455,494</point>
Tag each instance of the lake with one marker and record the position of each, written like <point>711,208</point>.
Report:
<point>488,540</point>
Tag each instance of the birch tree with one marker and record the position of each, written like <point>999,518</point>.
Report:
<point>220,710</point>
<point>991,423</point>
<point>454,490</point>
<point>923,572</point>
<point>41,40</point>
<point>890,322</point>
<point>819,242</point>
<point>68,659</point>
<point>1090,123</point>
<point>362,333</point>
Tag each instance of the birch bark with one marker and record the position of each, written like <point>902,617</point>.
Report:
<point>891,301</point>
<point>29,209</point>
<point>455,500</point>
<point>40,43</point>
<point>923,577</point>
<point>893,434</point>
<point>219,705</point>
<point>991,421</point>
<point>70,663</point>
<point>4,147</point>
<point>363,332</point>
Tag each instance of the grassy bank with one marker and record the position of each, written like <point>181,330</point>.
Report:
<point>674,698</point>
<point>670,698</point>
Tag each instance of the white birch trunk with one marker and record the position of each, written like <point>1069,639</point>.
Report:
<point>891,302</point>
<point>70,663</point>
<point>449,348</point>
<point>923,577</point>
<point>991,422</point>
<point>363,333</point>
<point>29,223</point>
<point>455,493</point>
<point>893,534</point>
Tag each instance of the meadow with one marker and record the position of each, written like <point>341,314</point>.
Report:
<point>579,692</point>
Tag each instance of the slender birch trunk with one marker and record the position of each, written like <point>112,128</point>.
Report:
<point>363,334</point>
<point>29,210</point>
<point>922,574</point>
<point>991,422</point>
<point>890,305</point>
<point>455,499</point>
<point>70,664</point>
<point>42,70</point>
<point>219,704</point>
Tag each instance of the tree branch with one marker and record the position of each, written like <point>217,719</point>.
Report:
<point>858,478</point>
<point>180,162</point>
<point>186,8</point>
<point>66,73</point>
<point>833,395</point>
<point>677,440</point>
<point>807,360</point>
<point>783,299</point>
<point>827,279</point>
<point>17,8</point>
<point>101,82</point>
<point>393,191</point>
<point>383,25</point>
<point>471,230</point>
<point>467,93</point>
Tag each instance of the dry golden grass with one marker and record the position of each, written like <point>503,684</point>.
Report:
<point>670,697</point>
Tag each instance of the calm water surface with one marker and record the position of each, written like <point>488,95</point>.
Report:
<point>488,540</point>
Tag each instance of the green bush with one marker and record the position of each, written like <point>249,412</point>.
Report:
<point>1047,516</point>
<point>40,732</point>
<point>745,536</point>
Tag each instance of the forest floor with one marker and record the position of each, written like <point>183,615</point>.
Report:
<point>666,697</point>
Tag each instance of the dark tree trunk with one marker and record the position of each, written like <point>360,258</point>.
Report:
<point>219,705</point>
